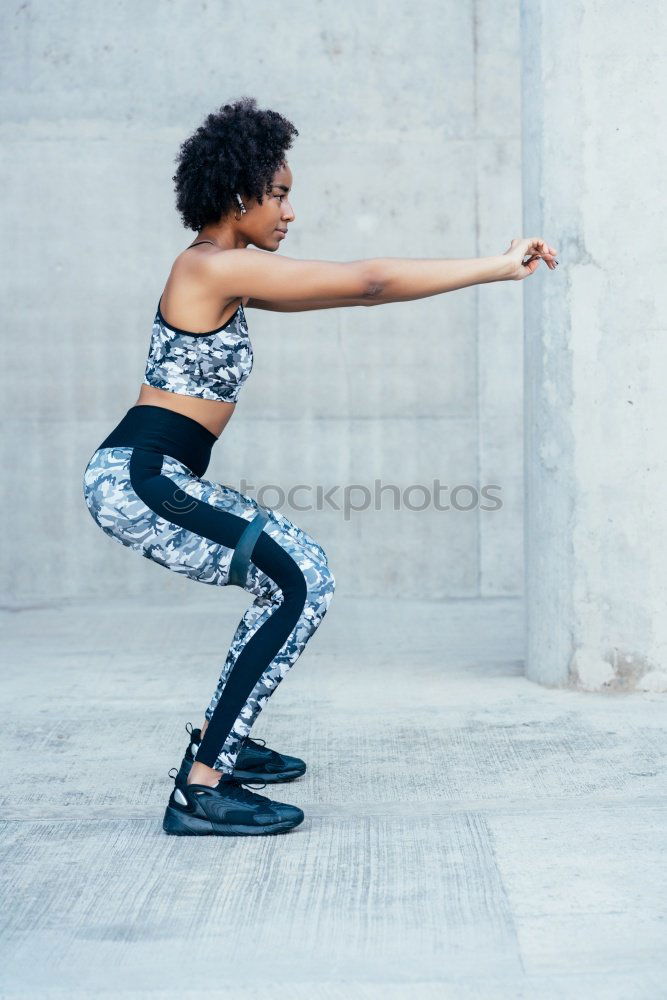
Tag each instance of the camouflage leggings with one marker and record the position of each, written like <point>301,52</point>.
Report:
<point>155,504</point>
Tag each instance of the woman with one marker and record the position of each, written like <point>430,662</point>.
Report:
<point>144,484</point>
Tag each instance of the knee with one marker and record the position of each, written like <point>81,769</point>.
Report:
<point>322,554</point>
<point>309,579</point>
<point>326,583</point>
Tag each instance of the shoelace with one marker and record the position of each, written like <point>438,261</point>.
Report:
<point>253,743</point>
<point>240,792</point>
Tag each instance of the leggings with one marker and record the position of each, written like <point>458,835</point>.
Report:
<point>143,486</point>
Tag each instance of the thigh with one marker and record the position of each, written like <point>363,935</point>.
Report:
<point>223,496</point>
<point>200,557</point>
<point>115,506</point>
<point>122,514</point>
<point>280,564</point>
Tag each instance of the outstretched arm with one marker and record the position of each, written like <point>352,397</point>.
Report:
<point>287,285</point>
<point>394,279</point>
<point>398,279</point>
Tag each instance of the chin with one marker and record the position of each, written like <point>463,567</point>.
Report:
<point>271,247</point>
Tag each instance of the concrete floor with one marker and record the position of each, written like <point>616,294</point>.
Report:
<point>468,834</point>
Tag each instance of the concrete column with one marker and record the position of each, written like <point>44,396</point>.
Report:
<point>594,134</point>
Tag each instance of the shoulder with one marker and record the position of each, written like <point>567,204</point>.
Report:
<point>236,271</point>
<point>238,267</point>
<point>240,259</point>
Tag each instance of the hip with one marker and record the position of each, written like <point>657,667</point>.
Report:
<point>163,432</point>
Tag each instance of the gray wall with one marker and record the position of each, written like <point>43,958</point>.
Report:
<point>596,475</point>
<point>409,147</point>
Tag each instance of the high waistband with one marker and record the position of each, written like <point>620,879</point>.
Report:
<point>159,429</point>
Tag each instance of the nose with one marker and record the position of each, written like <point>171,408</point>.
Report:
<point>288,212</point>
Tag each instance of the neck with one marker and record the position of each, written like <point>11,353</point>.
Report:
<point>226,236</point>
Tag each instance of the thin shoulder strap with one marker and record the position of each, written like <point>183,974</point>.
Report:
<point>201,241</point>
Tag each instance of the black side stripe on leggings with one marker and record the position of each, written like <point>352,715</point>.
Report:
<point>167,500</point>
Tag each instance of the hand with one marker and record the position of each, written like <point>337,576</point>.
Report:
<point>533,249</point>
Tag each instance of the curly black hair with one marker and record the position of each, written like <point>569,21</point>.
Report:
<point>238,148</point>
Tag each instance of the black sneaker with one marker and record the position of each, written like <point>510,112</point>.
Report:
<point>228,810</point>
<point>255,761</point>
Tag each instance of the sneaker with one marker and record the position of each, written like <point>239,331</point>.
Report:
<point>255,761</point>
<point>227,810</point>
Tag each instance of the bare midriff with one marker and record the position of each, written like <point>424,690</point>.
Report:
<point>214,414</point>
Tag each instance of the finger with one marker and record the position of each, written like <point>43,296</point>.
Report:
<point>547,252</point>
<point>531,264</point>
<point>541,254</point>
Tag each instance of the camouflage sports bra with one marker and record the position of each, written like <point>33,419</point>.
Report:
<point>212,365</point>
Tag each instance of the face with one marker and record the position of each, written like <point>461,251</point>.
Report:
<point>265,225</point>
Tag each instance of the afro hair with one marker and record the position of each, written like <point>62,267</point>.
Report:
<point>238,148</point>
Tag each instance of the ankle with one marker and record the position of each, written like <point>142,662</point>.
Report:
<point>201,774</point>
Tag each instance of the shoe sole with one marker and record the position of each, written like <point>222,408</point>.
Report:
<point>180,824</point>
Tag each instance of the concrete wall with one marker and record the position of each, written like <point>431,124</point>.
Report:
<point>409,147</point>
<point>594,166</point>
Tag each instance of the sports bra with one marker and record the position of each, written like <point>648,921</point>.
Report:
<point>212,365</point>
